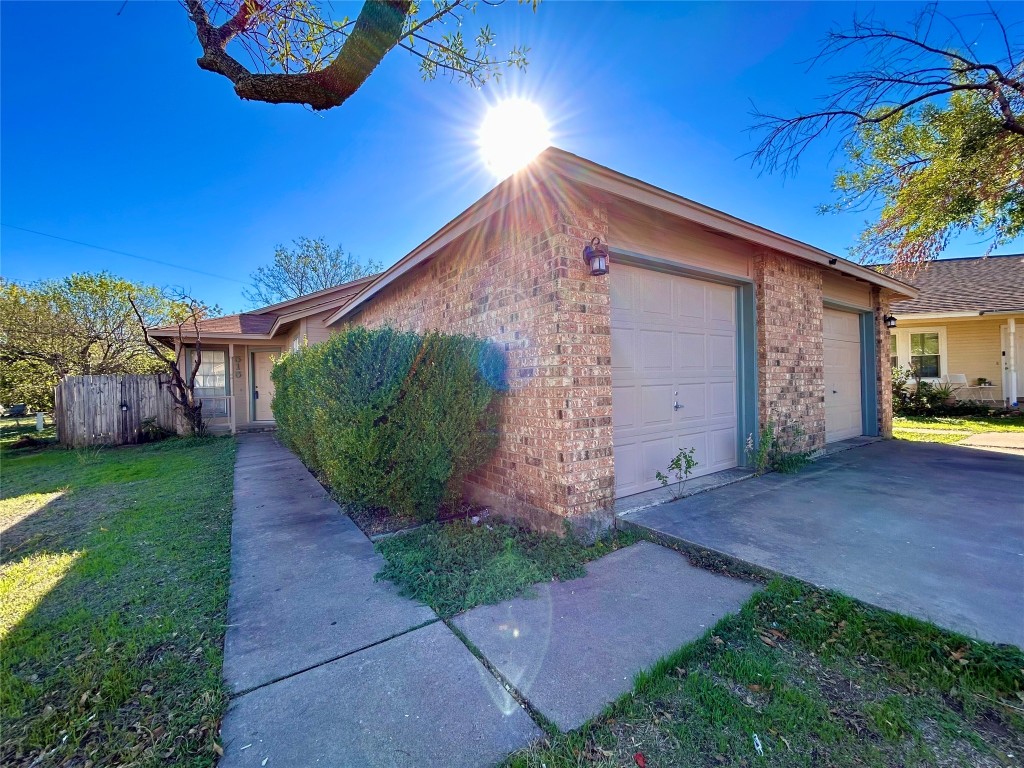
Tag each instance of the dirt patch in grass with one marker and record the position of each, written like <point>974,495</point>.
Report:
<point>455,566</point>
<point>818,679</point>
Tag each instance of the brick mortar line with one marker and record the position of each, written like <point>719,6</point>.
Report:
<point>290,675</point>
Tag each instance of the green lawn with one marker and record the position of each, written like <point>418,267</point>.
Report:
<point>819,680</point>
<point>13,429</point>
<point>455,566</point>
<point>969,424</point>
<point>113,594</point>
<point>951,429</point>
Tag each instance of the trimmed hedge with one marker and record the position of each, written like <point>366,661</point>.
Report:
<point>391,419</point>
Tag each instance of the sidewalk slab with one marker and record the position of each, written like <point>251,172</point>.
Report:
<point>421,699</point>
<point>577,645</point>
<point>1013,440</point>
<point>302,586</point>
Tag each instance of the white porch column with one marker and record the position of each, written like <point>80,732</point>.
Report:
<point>230,376</point>
<point>1011,360</point>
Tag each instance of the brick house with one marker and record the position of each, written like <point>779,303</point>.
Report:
<point>705,328</point>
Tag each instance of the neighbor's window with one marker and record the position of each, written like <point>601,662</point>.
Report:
<point>212,381</point>
<point>894,360</point>
<point>924,354</point>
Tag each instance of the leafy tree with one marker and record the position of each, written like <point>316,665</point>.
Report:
<point>302,54</point>
<point>932,129</point>
<point>80,325</point>
<point>187,314</point>
<point>311,265</point>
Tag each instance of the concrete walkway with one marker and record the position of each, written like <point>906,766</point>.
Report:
<point>328,667</point>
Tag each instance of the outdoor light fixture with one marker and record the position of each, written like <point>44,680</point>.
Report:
<point>890,321</point>
<point>596,255</point>
<point>833,261</point>
<point>124,406</point>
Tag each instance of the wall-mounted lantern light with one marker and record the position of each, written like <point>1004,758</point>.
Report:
<point>596,255</point>
<point>890,321</point>
<point>124,406</point>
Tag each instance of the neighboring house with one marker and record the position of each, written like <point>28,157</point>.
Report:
<point>705,328</point>
<point>967,321</point>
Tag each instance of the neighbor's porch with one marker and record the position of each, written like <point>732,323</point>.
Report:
<point>979,356</point>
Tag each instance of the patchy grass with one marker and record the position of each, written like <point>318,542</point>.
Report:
<point>951,438</point>
<point>968,424</point>
<point>455,566</point>
<point>819,679</point>
<point>113,595</point>
<point>12,430</point>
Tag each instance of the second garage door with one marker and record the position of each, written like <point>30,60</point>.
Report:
<point>841,334</point>
<point>673,374</point>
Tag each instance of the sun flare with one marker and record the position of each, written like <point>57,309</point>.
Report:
<point>513,132</point>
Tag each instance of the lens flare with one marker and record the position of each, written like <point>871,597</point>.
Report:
<point>513,132</point>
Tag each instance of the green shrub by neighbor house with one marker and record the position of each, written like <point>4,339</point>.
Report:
<point>391,419</point>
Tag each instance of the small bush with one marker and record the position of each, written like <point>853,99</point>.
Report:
<point>777,450</point>
<point>391,419</point>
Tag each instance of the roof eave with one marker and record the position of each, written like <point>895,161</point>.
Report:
<point>554,161</point>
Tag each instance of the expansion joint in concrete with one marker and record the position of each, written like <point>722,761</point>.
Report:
<point>331,660</point>
<point>535,714</point>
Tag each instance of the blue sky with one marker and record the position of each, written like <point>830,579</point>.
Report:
<point>111,135</point>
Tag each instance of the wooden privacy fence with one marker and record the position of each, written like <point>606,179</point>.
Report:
<point>111,409</point>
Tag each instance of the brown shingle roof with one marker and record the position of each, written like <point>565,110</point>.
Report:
<point>985,284</point>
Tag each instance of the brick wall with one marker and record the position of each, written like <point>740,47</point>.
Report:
<point>790,353</point>
<point>519,280</point>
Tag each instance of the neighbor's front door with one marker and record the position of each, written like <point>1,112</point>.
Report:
<point>262,385</point>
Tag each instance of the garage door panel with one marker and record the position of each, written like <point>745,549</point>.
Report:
<point>721,305</point>
<point>625,407</point>
<point>842,358</point>
<point>722,399</point>
<point>655,296</point>
<point>655,350</point>
<point>723,353</point>
<point>627,464</point>
<point>676,350</point>
<point>655,405</point>
<point>693,401</point>
<point>623,294</point>
<point>688,299</point>
<point>690,351</point>
<point>722,448</point>
<point>623,348</point>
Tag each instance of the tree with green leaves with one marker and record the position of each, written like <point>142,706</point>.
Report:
<point>80,325</point>
<point>311,265</point>
<point>300,53</point>
<point>932,129</point>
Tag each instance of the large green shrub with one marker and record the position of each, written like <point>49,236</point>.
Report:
<point>391,419</point>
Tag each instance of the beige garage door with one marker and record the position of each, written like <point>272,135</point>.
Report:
<point>842,375</point>
<point>673,374</point>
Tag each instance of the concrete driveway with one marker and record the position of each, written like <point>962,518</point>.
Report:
<point>932,531</point>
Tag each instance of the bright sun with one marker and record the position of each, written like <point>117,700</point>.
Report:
<point>513,133</point>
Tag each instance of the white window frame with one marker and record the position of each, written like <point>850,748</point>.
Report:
<point>903,348</point>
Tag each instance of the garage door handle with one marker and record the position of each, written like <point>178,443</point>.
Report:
<point>676,406</point>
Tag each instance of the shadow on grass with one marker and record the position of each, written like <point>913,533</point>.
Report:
<point>113,581</point>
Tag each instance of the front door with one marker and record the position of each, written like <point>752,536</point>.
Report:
<point>1012,378</point>
<point>262,385</point>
